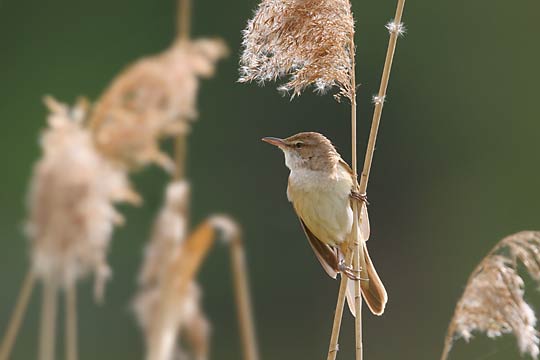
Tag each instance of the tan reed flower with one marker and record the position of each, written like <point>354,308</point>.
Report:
<point>153,98</point>
<point>308,40</point>
<point>177,312</point>
<point>72,192</point>
<point>493,301</point>
<point>169,232</point>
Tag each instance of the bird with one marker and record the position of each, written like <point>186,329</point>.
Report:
<point>321,189</point>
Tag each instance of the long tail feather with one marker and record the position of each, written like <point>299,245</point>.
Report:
<point>373,289</point>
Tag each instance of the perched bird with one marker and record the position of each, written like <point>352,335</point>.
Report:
<point>321,190</point>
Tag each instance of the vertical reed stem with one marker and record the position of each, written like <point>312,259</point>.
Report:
<point>357,251</point>
<point>338,314</point>
<point>353,247</point>
<point>48,320</point>
<point>381,96</point>
<point>184,19</point>
<point>354,238</point>
<point>71,322</point>
<point>358,308</point>
<point>17,316</point>
<point>180,153</point>
<point>447,347</point>
<point>243,301</point>
<point>163,332</point>
<point>183,23</point>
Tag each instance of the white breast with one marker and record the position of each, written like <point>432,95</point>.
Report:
<point>322,201</point>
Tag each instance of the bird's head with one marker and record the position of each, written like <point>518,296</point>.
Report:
<point>307,150</point>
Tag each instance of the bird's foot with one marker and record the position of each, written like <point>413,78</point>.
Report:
<point>360,197</point>
<point>349,271</point>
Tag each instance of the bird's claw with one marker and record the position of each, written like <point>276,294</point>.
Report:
<point>348,271</point>
<point>360,197</point>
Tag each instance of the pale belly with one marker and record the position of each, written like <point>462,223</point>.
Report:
<point>324,208</point>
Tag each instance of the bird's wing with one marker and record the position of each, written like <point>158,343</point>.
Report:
<point>363,220</point>
<point>346,166</point>
<point>326,255</point>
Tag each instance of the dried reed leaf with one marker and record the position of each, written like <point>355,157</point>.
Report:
<point>493,302</point>
<point>153,98</point>
<point>72,192</point>
<point>308,40</point>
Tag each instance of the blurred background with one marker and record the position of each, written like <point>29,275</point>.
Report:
<point>456,168</point>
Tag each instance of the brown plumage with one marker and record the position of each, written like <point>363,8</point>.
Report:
<point>320,186</point>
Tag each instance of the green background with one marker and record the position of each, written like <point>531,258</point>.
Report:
<point>456,167</point>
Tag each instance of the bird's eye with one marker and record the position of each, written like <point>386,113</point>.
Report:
<point>298,145</point>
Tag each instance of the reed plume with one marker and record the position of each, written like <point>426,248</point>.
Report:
<point>168,304</point>
<point>87,155</point>
<point>308,41</point>
<point>493,301</point>
<point>312,43</point>
<point>152,99</point>
<point>71,201</point>
<point>185,314</point>
<point>71,217</point>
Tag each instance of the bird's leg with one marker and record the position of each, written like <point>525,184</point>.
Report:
<point>360,197</point>
<point>346,269</point>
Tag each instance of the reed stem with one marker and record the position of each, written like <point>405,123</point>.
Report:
<point>338,315</point>
<point>48,320</point>
<point>243,301</point>
<point>356,252</point>
<point>183,23</point>
<point>357,290</point>
<point>447,347</point>
<point>184,19</point>
<point>353,247</point>
<point>71,322</point>
<point>18,315</point>
<point>354,234</point>
<point>380,98</point>
<point>180,154</point>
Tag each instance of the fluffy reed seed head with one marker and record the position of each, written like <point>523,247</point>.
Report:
<point>169,231</point>
<point>493,302</point>
<point>183,314</point>
<point>311,41</point>
<point>152,99</point>
<point>72,192</point>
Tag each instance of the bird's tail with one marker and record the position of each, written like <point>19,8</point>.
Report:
<point>371,285</point>
<point>373,289</point>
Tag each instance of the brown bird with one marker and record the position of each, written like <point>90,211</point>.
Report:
<point>321,190</point>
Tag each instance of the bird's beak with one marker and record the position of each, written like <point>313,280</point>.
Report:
<point>274,141</point>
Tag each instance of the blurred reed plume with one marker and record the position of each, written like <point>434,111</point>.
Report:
<point>162,91</point>
<point>70,222</point>
<point>493,302</point>
<point>312,43</point>
<point>87,154</point>
<point>181,312</point>
<point>168,303</point>
<point>153,98</point>
<point>308,40</point>
<point>72,192</point>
